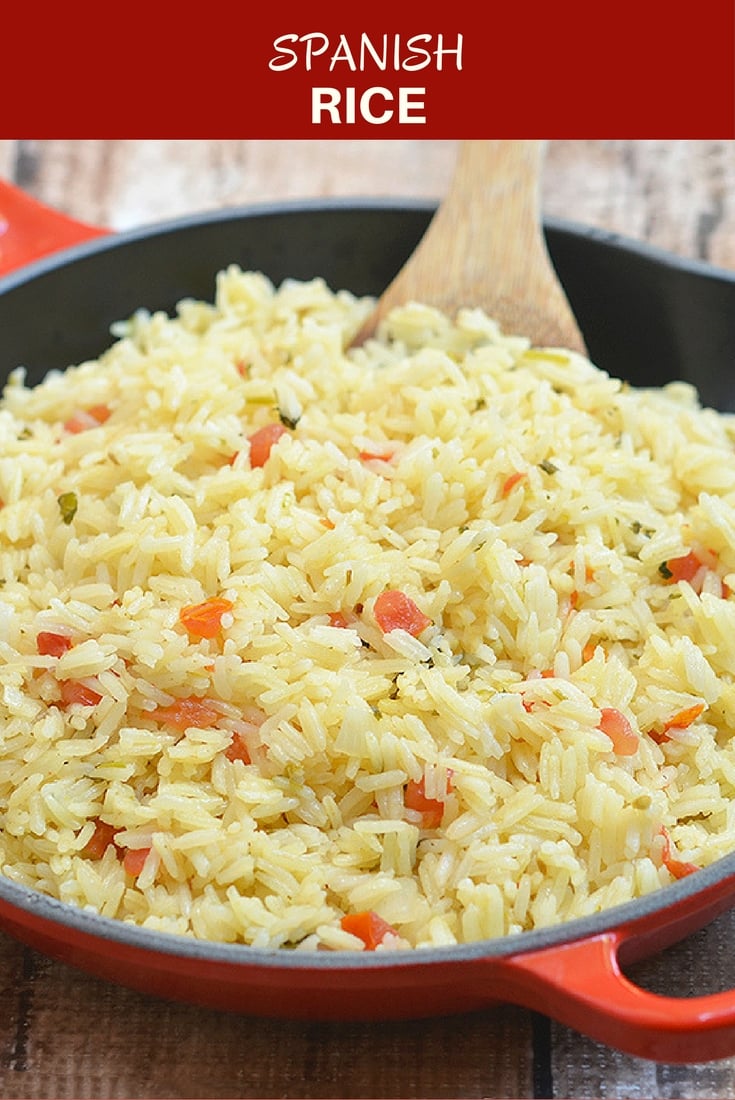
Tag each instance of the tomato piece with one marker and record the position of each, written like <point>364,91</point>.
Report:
<point>395,610</point>
<point>134,860</point>
<point>74,691</point>
<point>679,868</point>
<point>101,413</point>
<point>511,481</point>
<point>383,456</point>
<point>183,713</point>
<point>204,620</point>
<point>100,840</point>
<point>684,717</point>
<point>238,750</point>
<point>338,618</point>
<point>369,927</point>
<point>659,736</point>
<point>681,720</point>
<point>617,727</point>
<point>83,419</point>
<point>684,568</point>
<point>50,644</point>
<point>431,809</point>
<point>263,440</point>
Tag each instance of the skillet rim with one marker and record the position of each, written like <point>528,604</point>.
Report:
<point>65,915</point>
<point>86,922</point>
<point>606,238</point>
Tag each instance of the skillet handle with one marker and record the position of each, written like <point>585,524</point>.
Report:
<point>582,986</point>
<point>30,230</point>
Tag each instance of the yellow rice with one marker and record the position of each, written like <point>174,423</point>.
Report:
<point>547,595</point>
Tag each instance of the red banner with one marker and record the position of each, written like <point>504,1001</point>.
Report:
<point>632,68</point>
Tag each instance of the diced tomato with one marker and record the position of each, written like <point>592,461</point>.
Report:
<point>50,644</point>
<point>684,568</point>
<point>204,620</point>
<point>679,868</point>
<point>79,422</point>
<point>368,927</point>
<point>74,691</point>
<point>134,860</point>
<point>101,413</point>
<point>369,456</point>
<point>431,809</point>
<point>263,440</point>
<point>184,713</point>
<point>588,652</point>
<point>659,736</point>
<point>338,618</point>
<point>511,481</point>
<point>617,727</point>
<point>100,840</point>
<point>684,718</point>
<point>238,750</point>
<point>395,610</point>
<point>681,720</point>
<point>87,418</point>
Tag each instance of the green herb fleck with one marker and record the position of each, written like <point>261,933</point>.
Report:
<point>548,467</point>
<point>68,504</point>
<point>288,421</point>
<point>665,571</point>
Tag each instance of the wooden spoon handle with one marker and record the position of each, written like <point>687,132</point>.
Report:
<point>485,247</point>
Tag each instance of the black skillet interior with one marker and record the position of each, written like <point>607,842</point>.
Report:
<point>647,317</point>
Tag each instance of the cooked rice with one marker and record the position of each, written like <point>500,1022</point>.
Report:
<point>548,597</point>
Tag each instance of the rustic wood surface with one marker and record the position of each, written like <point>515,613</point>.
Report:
<point>66,1034</point>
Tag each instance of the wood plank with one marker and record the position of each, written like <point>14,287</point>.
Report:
<point>678,195</point>
<point>8,158</point>
<point>121,184</point>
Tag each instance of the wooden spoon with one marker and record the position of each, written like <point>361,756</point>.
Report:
<point>485,247</point>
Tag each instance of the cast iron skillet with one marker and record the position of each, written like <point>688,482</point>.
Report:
<point>648,318</point>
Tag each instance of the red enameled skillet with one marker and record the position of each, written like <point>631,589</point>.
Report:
<point>647,317</point>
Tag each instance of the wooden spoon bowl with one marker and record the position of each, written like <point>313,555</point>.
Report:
<point>485,248</point>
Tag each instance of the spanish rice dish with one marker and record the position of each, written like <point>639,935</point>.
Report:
<point>406,645</point>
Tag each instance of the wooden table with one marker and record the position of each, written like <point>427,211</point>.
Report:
<point>64,1034</point>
